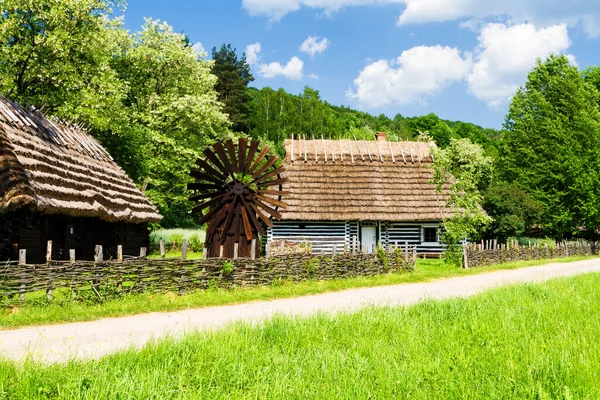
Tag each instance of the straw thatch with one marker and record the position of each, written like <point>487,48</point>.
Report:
<point>60,169</point>
<point>348,180</point>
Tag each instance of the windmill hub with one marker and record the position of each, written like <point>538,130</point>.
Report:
<point>238,188</point>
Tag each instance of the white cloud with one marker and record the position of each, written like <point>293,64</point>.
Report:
<point>314,76</point>
<point>199,49</point>
<point>540,12</point>
<point>506,54</point>
<point>253,53</point>
<point>292,70</point>
<point>312,45</point>
<point>418,72</point>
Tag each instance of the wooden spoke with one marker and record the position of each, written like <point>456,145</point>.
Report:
<point>251,153</point>
<point>272,212</point>
<point>272,192</point>
<point>209,169</point>
<point>262,169</point>
<point>223,156</point>
<point>203,186</point>
<point>255,222</point>
<point>262,216</point>
<point>242,155</point>
<point>269,200</point>
<point>259,158</point>
<point>215,160</point>
<point>217,200</point>
<point>231,150</point>
<point>198,174</point>
<point>271,174</point>
<point>201,196</point>
<point>247,227</point>
<point>274,183</point>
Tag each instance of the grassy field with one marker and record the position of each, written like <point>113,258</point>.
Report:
<point>536,341</point>
<point>64,309</point>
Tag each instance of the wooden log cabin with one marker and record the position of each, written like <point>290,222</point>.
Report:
<point>58,183</point>
<point>372,192</point>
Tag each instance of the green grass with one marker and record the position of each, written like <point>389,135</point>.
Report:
<point>535,341</point>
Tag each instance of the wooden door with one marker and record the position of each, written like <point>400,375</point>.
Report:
<point>368,238</point>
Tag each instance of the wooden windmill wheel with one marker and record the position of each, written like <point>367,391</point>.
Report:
<point>239,189</point>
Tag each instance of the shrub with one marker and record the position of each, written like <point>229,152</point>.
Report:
<point>195,243</point>
<point>176,239</point>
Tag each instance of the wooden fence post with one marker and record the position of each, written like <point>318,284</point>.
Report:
<point>98,258</point>
<point>333,251</point>
<point>282,247</point>
<point>163,254</point>
<point>374,249</point>
<point>268,250</point>
<point>204,253</point>
<point>184,244</point>
<point>49,269</point>
<point>353,245</point>
<point>22,263</point>
<point>73,279</point>
<point>465,255</point>
<point>253,249</point>
<point>236,247</point>
<point>120,268</point>
<point>221,252</point>
<point>406,251</point>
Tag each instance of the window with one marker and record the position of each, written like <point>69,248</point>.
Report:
<point>430,235</point>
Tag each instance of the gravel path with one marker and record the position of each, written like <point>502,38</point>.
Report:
<point>58,343</point>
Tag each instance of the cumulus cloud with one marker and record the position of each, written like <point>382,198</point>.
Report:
<point>253,53</point>
<point>314,45</point>
<point>314,76</point>
<point>506,54</point>
<point>199,49</point>
<point>292,70</point>
<point>418,73</point>
<point>540,12</point>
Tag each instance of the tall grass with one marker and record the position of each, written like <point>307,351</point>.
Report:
<point>174,237</point>
<point>536,341</point>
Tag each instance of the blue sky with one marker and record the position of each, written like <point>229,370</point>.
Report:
<point>462,59</point>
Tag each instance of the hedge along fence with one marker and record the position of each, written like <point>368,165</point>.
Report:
<point>111,278</point>
<point>490,252</point>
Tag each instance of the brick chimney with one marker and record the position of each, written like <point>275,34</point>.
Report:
<point>381,136</point>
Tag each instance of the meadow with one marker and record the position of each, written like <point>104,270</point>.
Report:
<point>533,341</point>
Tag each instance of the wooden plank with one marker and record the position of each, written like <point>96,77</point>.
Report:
<point>220,151</point>
<point>209,169</point>
<point>269,200</point>
<point>243,142</point>
<point>251,153</point>
<point>247,226</point>
<point>232,156</point>
<point>259,158</point>
<point>293,155</point>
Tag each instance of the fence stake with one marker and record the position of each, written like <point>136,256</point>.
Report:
<point>282,247</point>
<point>353,245</point>
<point>253,249</point>
<point>268,250</point>
<point>98,258</point>
<point>22,262</point>
<point>73,280</point>
<point>236,247</point>
<point>374,249</point>
<point>221,252</point>
<point>406,251</point>
<point>204,253</point>
<point>162,249</point>
<point>333,251</point>
<point>49,269</point>
<point>465,256</point>
<point>119,268</point>
<point>184,244</point>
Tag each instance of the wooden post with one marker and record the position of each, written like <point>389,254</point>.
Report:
<point>374,249</point>
<point>282,247</point>
<point>253,249</point>
<point>221,252</point>
<point>495,244</point>
<point>465,261</point>
<point>162,249</point>
<point>120,253</point>
<point>49,269</point>
<point>415,254</point>
<point>353,245</point>
<point>22,263</point>
<point>184,244</point>
<point>204,253</point>
<point>345,247</point>
<point>268,250</point>
<point>236,247</point>
<point>143,252</point>
<point>406,251</point>
<point>119,268</point>
<point>73,281</point>
<point>333,250</point>
<point>98,258</point>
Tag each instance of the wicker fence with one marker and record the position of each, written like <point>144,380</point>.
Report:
<point>140,274</point>
<point>491,252</point>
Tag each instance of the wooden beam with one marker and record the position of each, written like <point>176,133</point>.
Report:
<point>292,147</point>
<point>401,152</point>
<point>315,146</point>
<point>324,151</point>
<point>331,147</point>
<point>368,151</point>
<point>359,150</point>
<point>305,155</point>
<point>378,149</point>
<point>391,152</point>
<point>341,150</point>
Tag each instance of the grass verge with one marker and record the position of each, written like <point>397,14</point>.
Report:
<point>528,341</point>
<point>63,309</point>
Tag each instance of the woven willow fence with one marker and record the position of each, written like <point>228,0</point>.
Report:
<point>179,276</point>
<point>490,252</point>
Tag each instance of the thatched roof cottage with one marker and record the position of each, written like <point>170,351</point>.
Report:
<point>58,183</point>
<point>369,191</point>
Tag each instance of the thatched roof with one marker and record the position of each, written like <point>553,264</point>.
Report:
<point>337,180</point>
<point>56,168</point>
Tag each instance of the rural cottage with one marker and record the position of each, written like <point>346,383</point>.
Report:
<point>369,191</point>
<point>57,183</point>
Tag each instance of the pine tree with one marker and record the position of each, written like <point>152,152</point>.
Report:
<point>233,75</point>
<point>551,147</point>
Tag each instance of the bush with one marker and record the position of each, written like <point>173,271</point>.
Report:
<point>195,244</point>
<point>176,239</point>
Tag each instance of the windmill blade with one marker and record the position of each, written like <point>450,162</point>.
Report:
<point>257,225</point>
<point>262,216</point>
<point>273,192</point>
<point>231,150</point>
<point>201,196</point>
<point>268,165</point>
<point>253,147</point>
<point>274,202</point>
<point>212,227</point>
<point>259,158</point>
<point>272,212</point>
<point>217,200</point>
<point>247,226</point>
<point>242,154</point>
<point>215,160</point>
<point>208,215</point>
<point>237,226</point>
<point>209,169</point>
<point>271,174</point>
<point>223,156</point>
<point>199,174</point>
<point>274,183</point>
<point>228,221</point>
